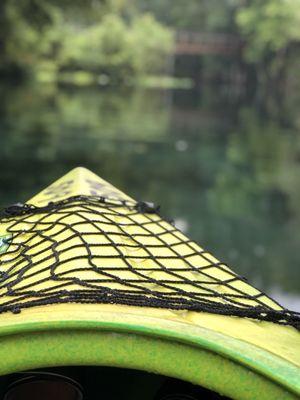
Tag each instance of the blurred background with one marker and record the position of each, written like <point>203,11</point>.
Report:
<point>191,104</point>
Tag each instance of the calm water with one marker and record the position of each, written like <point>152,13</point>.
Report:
<point>225,169</point>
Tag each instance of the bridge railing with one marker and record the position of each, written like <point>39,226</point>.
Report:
<point>191,42</point>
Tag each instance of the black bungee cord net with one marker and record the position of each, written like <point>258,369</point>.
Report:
<point>94,249</point>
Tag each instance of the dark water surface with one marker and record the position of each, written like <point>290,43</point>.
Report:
<point>225,169</point>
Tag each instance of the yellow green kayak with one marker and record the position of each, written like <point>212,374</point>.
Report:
<point>92,278</point>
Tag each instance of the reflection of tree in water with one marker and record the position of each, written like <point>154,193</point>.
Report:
<point>45,130</point>
<point>248,211</point>
<point>234,185</point>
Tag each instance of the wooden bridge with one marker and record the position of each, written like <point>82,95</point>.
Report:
<point>199,43</point>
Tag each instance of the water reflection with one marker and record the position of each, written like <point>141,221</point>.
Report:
<point>227,173</point>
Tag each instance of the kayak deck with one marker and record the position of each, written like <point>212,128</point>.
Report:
<point>96,245</point>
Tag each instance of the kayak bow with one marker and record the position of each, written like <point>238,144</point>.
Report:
<point>92,277</point>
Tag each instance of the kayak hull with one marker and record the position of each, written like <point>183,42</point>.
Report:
<point>170,347</point>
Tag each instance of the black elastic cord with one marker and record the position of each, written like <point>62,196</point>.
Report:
<point>54,247</point>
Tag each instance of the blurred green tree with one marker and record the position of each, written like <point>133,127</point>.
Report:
<point>96,36</point>
<point>116,48</point>
<point>271,30</point>
<point>197,15</point>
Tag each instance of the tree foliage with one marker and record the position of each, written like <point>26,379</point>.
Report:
<point>123,39</point>
<point>272,36</point>
<point>95,36</point>
<point>269,26</point>
<point>115,47</point>
<point>198,15</point>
